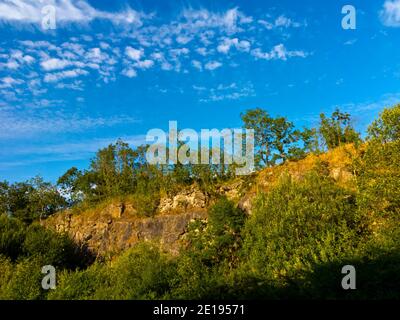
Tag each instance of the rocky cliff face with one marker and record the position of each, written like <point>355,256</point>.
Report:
<point>189,199</point>
<point>109,231</point>
<point>118,226</point>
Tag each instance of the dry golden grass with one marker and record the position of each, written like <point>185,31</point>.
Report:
<point>337,160</point>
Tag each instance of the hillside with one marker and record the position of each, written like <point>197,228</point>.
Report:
<point>115,225</point>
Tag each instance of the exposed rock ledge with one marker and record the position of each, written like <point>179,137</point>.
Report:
<point>103,232</point>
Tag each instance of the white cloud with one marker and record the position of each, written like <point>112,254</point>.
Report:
<point>266,24</point>
<point>75,85</point>
<point>129,72</point>
<point>37,44</point>
<point>11,64</point>
<point>283,21</point>
<point>191,40</point>
<point>96,55</point>
<point>278,52</point>
<point>23,124</point>
<point>28,59</point>
<point>231,91</point>
<point>390,14</point>
<point>182,39</point>
<point>199,88</point>
<point>350,42</point>
<point>54,77</point>
<point>197,64</point>
<point>8,82</point>
<point>166,66</point>
<point>134,54</point>
<point>70,151</point>
<point>280,22</point>
<point>145,64</point>
<point>67,11</point>
<point>179,52</point>
<point>230,21</point>
<point>227,43</point>
<point>159,56</point>
<point>202,51</point>
<point>212,65</point>
<point>225,46</point>
<point>81,147</point>
<point>54,64</point>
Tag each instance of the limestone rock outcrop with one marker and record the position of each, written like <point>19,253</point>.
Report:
<point>113,230</point>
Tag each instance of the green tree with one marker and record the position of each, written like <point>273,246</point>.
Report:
<point>274,137</point>
<point>285,136</point>
<point>337,129</point>
<point>12,236</point>
<point>30,200</point>
<point>378,167</point>
<point>44,199</point>
<point>4,201</point>
<point>260,121</point>
<point>218,239</point>
<point>387,127</point>
<point>70,184</point>
<point>308,143</point>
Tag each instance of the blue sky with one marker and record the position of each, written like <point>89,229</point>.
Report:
<point>115,69</point>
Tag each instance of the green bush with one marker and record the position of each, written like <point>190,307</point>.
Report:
<point>18,241</point>
<point>298,225</point>
<point>22,280</point>
<point>82,285</point>
<point>141,273</point>
<point>379,179</point>
<point>6,270</point>
<point>50,247</point>
<point>218,239</point>
<point>12,235</point>
<point>146,203</point>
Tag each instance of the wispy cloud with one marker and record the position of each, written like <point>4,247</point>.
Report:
<point>54,64</point>
<point>231,91</point>
<point>67,12</point>
<point>365,112</point>
<point>278,52</point>
<point>194,40</point>
<point>69,151</point>
<point>212,65</point>
<point>230,21</point>
<point>23,124</point>
<point>280,22</point>
<point>54,77</point>
<point>390,14</point>
<point>227,44</point>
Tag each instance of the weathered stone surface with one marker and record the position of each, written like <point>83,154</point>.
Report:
<point>191,198</point>
<point>111,230</point>
<point>246,203</point>
<point>232,191</point>
<point>341,174</point>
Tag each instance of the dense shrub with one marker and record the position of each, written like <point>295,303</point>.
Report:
<point>12,235</point>
<point>51,248</point>
<point>300,224</point>
<point>217,239</point>
<point>18,241</point>
<point>140,273</point>
<point>22,280</point>
<point>86,284</point>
